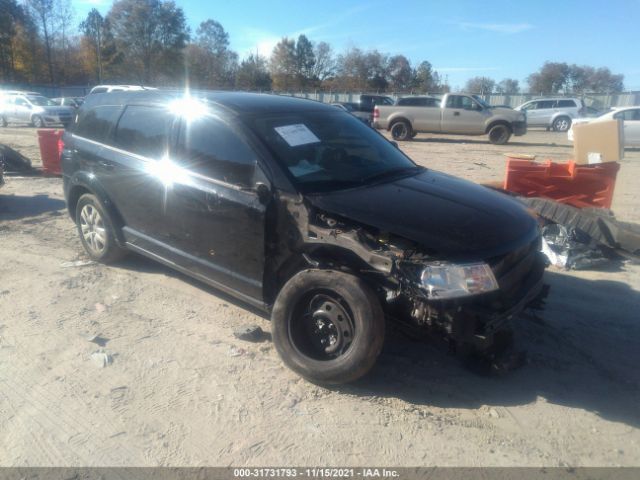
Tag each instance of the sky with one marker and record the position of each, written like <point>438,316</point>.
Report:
<point>460,38</point>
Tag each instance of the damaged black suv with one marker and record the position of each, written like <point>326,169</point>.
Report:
<point>304,212</point>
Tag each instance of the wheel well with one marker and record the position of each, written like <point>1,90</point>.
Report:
<point>398,120</point>
<point>72,200</point>
<point>562,115</point>
<point>499,122</point>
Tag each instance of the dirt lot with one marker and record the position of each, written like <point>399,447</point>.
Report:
<point>183,391</point>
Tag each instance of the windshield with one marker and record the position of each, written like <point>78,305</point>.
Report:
<point>481,101</point>
<point>324,151</point>
<point>41,101</point>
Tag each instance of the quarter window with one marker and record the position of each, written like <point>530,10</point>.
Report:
<point>210,147</point>
<point>144,130</point>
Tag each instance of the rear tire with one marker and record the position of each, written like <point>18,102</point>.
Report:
<point>328,326</point>
<point>499,134</point>
<point>401,131</point>
<point>37,121</point>
<point>96,230</point>
<point>561,124</point>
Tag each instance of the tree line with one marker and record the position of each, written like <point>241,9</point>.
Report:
<point>150,42</point>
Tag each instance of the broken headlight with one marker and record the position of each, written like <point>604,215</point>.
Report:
<point>449,280</point>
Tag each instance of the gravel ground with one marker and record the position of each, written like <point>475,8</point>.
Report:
<point>180,390</point>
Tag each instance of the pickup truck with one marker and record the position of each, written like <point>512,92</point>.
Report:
<point>459,114</point>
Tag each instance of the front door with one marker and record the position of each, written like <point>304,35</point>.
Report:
<point>213,213</point>
<point>464,115</point>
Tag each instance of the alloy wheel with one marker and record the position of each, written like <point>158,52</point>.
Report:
<point>93,229</point>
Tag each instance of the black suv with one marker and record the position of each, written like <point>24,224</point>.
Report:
<point>303,211</point>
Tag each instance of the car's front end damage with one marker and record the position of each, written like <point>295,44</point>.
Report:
<point>468,303</point>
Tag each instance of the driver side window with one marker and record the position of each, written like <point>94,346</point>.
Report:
<point>212,148</point>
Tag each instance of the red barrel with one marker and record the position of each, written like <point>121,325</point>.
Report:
<point>570,183</point>
<point>50,150</point>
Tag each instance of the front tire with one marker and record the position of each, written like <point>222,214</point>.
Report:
<point>96,230</point>
<point>37,121</point>
<point>499,134</point>
<point>561,124</point>
<point>401,131</point>
<point>328,326</point>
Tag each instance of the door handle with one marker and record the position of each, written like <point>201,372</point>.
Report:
<point>456,114</point>
<point>106,165</point>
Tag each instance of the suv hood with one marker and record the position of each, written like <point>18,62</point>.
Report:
<point>449,217</point>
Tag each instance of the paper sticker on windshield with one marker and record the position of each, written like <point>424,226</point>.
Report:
<point>297,134</point>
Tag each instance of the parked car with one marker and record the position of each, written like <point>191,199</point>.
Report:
<point>555,113</point>
<point>73,102</point>
<point>298,209</point>
<point>366,103</point>
<point>352,108</point>
<point>35,110</point>
<point>630,117</point>
<point>118,88</point>
<point>456,114</point>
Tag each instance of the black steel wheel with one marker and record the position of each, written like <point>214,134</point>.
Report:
<point>322,325</point>
<point>328,326</point>
<point>499,134</point>
<point>401,131</point>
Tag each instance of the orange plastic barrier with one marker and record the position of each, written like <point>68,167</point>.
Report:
<point>577,185</point>
<point>50,142</point>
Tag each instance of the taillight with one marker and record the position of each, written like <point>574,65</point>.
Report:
<point>376,112</point>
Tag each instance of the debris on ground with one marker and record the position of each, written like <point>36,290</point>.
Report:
<point>583,237</point>
<point>250,333</point>
<point>101,359</point>
<point>236,352</point>
<point>98,339</point>
<point>570,248</point>
<point>100,307</point>
<point>77,263</point>
<point>13,161</point>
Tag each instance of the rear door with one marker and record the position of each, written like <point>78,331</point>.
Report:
<point>463,115</point>
<point>426,115</point>
<point>133,168</point>
<point>22,110</point>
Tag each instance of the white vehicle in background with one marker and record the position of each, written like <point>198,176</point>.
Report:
<point>630,117</point>
<point>34,110</point>
<point>118,88</point>
<point>555,113</point>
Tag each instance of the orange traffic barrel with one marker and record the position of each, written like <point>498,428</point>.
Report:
<point>50,142</point>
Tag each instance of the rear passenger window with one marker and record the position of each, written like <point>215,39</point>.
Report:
<point>212,148</point>
<point>566,103</point>
<point>546,104</point>
<point>95,124</point>
<point>144,130</point>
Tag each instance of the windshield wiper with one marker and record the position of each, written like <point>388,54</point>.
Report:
<point>376,177</point>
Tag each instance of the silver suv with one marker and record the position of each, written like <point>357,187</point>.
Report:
<point>555,113</point>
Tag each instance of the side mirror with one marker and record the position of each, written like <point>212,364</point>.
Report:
<point>263,192</point>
